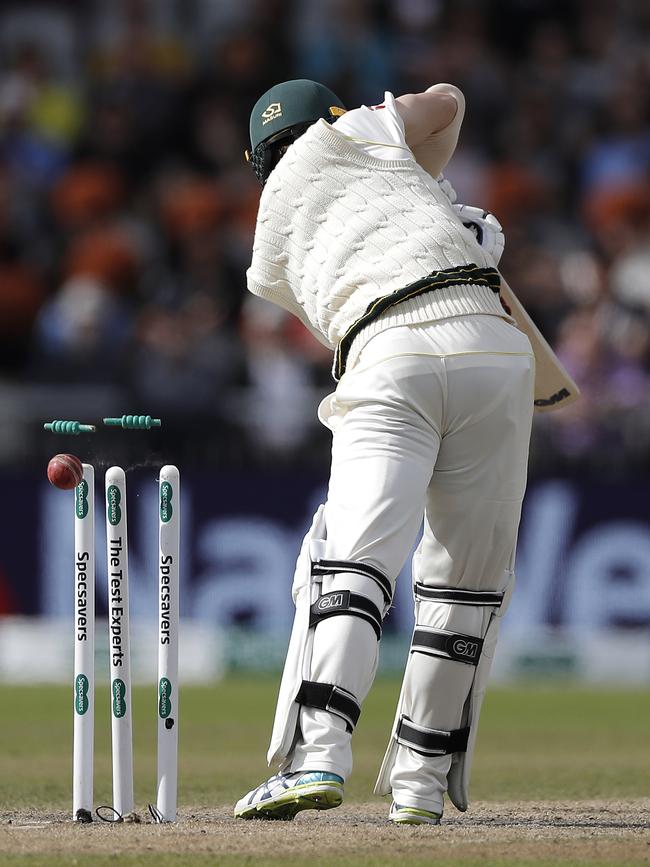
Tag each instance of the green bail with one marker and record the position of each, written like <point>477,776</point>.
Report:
<point>133,422</point>
<point>59,426</point>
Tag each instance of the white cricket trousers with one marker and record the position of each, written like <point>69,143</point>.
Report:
<point>432,422</point>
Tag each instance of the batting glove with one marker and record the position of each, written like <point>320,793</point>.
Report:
<point>485,227</point>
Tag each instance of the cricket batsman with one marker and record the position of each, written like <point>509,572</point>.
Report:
<point>358,235</point>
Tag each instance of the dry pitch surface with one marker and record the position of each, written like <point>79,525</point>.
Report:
<point>561,777</point>
<point>508,833</point>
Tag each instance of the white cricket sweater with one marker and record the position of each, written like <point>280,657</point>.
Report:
<point>338,229</point>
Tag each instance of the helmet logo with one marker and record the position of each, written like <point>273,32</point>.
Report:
<point>271,113</point>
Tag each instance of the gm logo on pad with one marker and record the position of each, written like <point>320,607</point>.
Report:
<point>462,647</point>
<point>332,600</point>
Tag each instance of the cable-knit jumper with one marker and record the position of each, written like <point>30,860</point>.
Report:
<point>337,229</point>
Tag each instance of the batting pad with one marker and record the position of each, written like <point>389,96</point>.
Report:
<point>333,650</point>
<point>461,764</point>
<point>446,675</point>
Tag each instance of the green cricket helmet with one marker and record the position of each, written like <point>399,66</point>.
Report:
<point>283,113</point>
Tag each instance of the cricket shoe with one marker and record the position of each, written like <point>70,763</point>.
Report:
<point>285,795</point>
<point>399,815</point>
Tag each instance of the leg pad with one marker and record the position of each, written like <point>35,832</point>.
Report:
<point>331,658</point>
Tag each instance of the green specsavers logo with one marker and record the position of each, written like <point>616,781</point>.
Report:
<point>81,694</point>
<point>166,510</point>
<point>81,499</point>
<point>119,698</point>
<point>164,702</point>
<point>113,497</point>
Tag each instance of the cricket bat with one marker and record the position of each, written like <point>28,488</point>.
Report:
<point>554,388</point>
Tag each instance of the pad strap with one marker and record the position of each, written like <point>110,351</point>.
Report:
<point>430,742</point>
<point>346,602</point>
<point>334,567</point>
<point>454,596</point>
<point>327,696</point>
<point>448,645</point>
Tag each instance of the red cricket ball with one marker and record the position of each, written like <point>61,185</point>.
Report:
<point>65,472</point>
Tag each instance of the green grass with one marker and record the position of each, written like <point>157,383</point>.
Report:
<point>535,744</point>
<point>551,743</point>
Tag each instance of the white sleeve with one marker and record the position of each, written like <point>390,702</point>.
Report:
<point>376,129</point>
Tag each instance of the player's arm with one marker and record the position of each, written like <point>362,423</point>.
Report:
<point>432,122</point>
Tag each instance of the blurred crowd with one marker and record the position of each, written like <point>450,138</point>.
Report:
<point>127,210</point>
